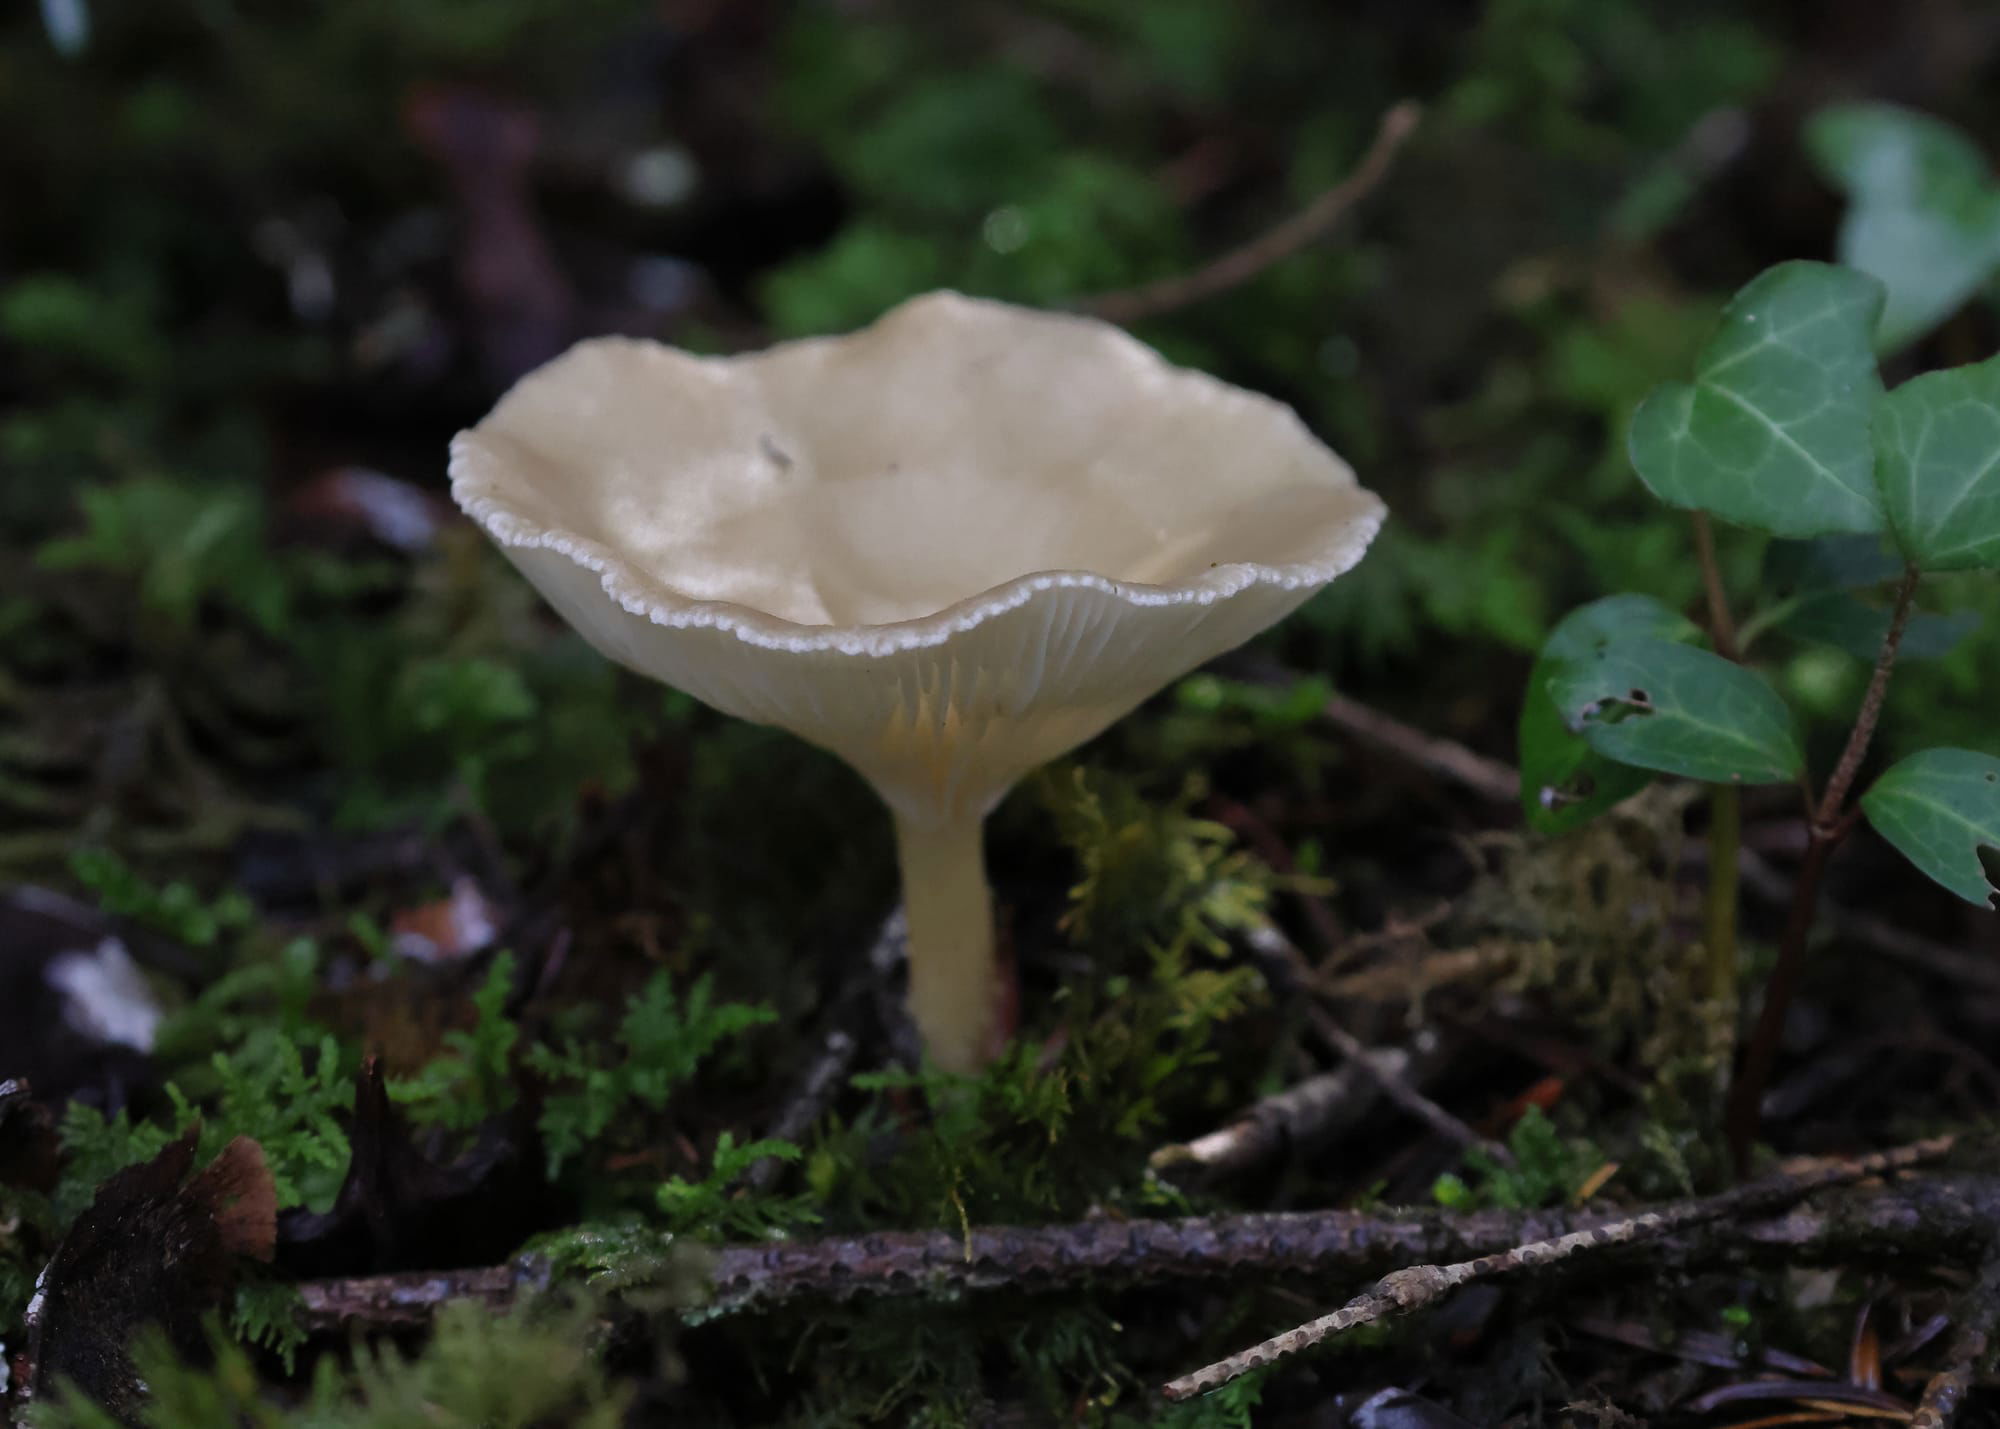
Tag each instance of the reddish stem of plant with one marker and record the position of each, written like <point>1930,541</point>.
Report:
<point>1721,625</point>
<point>1831,822</point>
<point>1832,802</point>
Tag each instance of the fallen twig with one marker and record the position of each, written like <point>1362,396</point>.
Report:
<point>805,1106</point>
<point>1401,980</point>
<point>1486,777</point>
<point>1270,945</point>
<point>1240,265</point>
<point>1401,1092</point>
<point>1944,1215</point>
<point>1978,1321</point>
<point>1308,1114</point>
<point>1416,1286</point>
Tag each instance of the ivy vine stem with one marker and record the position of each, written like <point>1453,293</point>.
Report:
<point>1830,823</point>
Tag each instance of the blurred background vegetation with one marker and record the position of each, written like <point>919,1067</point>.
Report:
<point>254,253</point>
<point>259,261</point>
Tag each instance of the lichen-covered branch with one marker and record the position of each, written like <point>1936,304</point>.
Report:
<point>1941,1213</point>
<point>1415,1286</point>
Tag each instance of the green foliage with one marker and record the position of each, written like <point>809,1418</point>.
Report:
<point>59,320</point>
<point>267,1091</point>
<point>1937,447</point>
<point>1923,211</point>
<point>1139,1044</point>
<point>1564,781</point>
<point>264,994</point>
<point>1670,707</point>
<point>1773,431</point>
<point>472,1079</point>
<point>95,1147</point>
<point>1275,709</point>
<point>1817,596</point>
<point>182,545</point>
<point>265,1314</point>
<point>619,1257</point>
<point>174,909</point>
<point>1786,429</point>
<point>263,1090</point>
<point>710,1209</point>
<point>662,1039</point>
<point>1149,875</point>
<point>526,1368</point>
<point>1941,808</point>
<point>1548,1170</point>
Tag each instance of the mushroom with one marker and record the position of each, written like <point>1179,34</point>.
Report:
<point>948,547</point>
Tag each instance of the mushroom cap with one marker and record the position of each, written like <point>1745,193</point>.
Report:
<point>949,546</point>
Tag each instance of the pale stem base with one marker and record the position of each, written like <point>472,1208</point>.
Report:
<point>954,983</point>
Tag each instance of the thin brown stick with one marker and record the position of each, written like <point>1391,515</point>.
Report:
<point>1240,265</point>
<point>1488,778</point>
<point>1419,1285</point>
<point>1978,1323</point>
<point>1743,1113</point>
<point>1721,624</point>
<point>1944,1214</point>
<point>1832,803</point>
<point>1289,969</point>
<point>1306,1115</point>
<point>1404,979</point>
<point>1400,1091</point>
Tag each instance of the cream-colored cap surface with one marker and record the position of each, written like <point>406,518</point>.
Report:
<point>948,547</point>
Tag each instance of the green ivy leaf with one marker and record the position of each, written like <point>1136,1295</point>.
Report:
<point>1773,431</point>
<point>1941,809</point>
<point>1937,457</point>
<point>1680,710</point>
<point>1923,216</point>
<point>1796,568</point>
<point>1850,624</point>
<point>1564,782</point>
<point>1818,587</point>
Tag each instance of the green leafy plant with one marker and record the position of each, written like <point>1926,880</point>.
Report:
<point>1548,1169</point>
<point>183,544</point>
<point>532,1366</point>
<point>709,1209</point>
<point>662,1039</point>
<point>265,1090</point>
<point>1923,210</point>
<point>1785,429</point>
<point>172,908</point>
<point>472,1079</point>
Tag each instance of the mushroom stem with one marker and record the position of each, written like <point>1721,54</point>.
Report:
<point>954,984</point>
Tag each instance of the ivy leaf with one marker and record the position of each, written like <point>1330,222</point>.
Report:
<point>1941,809</point>
<point>1796,568</point>
<point>1849,624</point>
<point>1818,585</point>
<point>1564,782</point>
<point>1923,215</point>
<point>1773,431</point>
<point>1680,710</point>
<point>1937,456</point>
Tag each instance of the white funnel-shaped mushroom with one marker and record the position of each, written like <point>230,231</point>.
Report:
<point>948,548</point>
